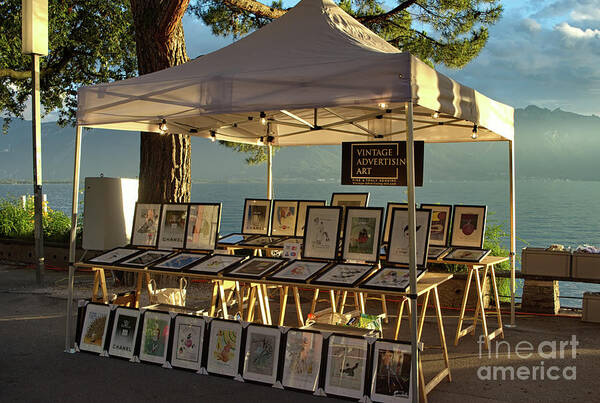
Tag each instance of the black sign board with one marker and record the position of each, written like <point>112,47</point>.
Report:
<point>381,163</point>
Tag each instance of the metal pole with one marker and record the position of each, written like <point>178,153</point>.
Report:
<point>269,171</point>
<point>37,167</point>
<point>513,231</point>
<point>73,246</point>
<point>412,249</point>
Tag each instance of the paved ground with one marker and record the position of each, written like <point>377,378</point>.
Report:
<point>35,368</point>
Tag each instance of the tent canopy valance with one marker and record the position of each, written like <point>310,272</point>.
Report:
<point>316,75</point>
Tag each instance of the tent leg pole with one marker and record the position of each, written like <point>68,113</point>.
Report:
<point>72,246</point>
<point>513,233</point>
<point>269,171</point>
<point>412,251</point>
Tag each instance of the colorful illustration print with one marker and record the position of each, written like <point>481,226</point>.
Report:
<point>468,223</point>
<point>156,336</point>
<point>203,221</point>
<point>255,267</point>
<point>438,224</point>
<point>393,373</point>
<point>94,327</point>
<point>216,263</point>
<point>344,274</point>
<point>256,217</point>
<point>347,359</point>
<point>300,270</point>
<point>146,224</point>
<point>226,345</point>
<point>302,360</point>
<point>392,278</point>
<point>261,353</point>
<point>362,234</point>
<point>188,343</point>
<point>285,217</point>
<point>114,255</point>
<point>179,261</point>
<point>146,258</point>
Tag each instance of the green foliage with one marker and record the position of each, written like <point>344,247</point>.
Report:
<point>89,42</point>
<point>17,222</point>
<point>257,154</point>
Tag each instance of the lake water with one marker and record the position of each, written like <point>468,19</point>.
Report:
<point>548,211</point>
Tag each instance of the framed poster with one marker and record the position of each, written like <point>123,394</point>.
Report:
<point>114,255</point>
<point>145,224</point>
<point>234,239</point>
<point>146,258</point>
<point>257,214</point>
<point>301,216</point>
<point>391,372</point>
<point>388,219</point>
<point>224,347</point>
<point>171,233</point>
<point>256,267</point>
<point>302,361</point>
<point>344,275</point>
<point>203,226</point>
<point>259,241</point>
<point>345,200</point>
<point>215,264</point>
<point>467,254</point>
<point>398,246</point>
<point>390,279</point>
<point>180,261</point>
<point>155,337</point>
<point>440,223</point>
<point>94,329</point>
<point>298,271</point>
<point>362,233</point>
<point>435,252</point>
<point>124,332</point>
<point>261,355</point>
<point>468,228</point>
<point>188,341</point>
<point>321,237</point>
<point>284,217</point>
<point>346,366</point>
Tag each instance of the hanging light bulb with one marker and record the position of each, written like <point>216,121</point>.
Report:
<point>474,135</point>
<point>382,105</point>
<point>263,118</point>
<point>435,115</point>
<point>260,141</point>
<point>213,136</point>
<point>162,126</point>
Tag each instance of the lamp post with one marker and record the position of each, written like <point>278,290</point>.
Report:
<point>35,43</point>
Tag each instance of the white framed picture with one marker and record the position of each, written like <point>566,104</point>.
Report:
<point>171,233</point>
<point>346,366</point>
<point>215,264</point>
<point>391,381</point>
<point>224,347</point>
<point>203,226</point>
<point>283,222</point>
<point>146,258</point>
<point>321,235</point>
<point>301,216</point>
<point>388,219</point>
<point>257,215</point>
<point>145,224</point>
<point>468,227</point>
<point>345,200</point>
<point>113,255</point>
<point>155,337</point>
<point>188,342</point>
<point>440,223</point>
<point>398,246</point>
<point>95,328</point>
<point>344,275</point>
<point>179,261</point>
<point>256,267</point>
<point>261,355</point>
<point>391,279</point>
<point>298,271</point>
<point>302,362</point>
<point>124,332</point>
<point>362,233</point>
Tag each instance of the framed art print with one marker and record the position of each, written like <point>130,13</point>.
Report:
<point>302,361</point>
<point>388,219</point>
<point>361,234</point>
<point>260,241</point>
<point>346,366</point>
<point>234,239</point>
<point>146,258</point>
<point>321,235</point>
<point>203,226</point>
<point>435,252</point>
<point>224,347</point>
<point>261,355</point>
<point>398,246</point>
<point>215,264</point>
<point>467,254</point>
<point>390,279</point>
<point>113,256</point>
<point>345,200</point>
<point>256,267</point>
<point>283,221</point>
<point>257,214</point>
<point>179,261</point>
<point>344,275</point>
<point>145,224</point>
<point>95,327</point>
<point>468,228</point>
<point>171,233</point>
<point>298,271</point>
<point>391,372</point>
<point>301,216</point>
<point>124,332</point>
<point>440,223</point>
<point>188,341</point>
<point>155,337</point>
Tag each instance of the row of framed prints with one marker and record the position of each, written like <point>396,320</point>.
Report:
<point>325,273</point>
<point>289,358</point>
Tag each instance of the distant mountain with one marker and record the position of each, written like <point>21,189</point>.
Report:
<point>549,144</point>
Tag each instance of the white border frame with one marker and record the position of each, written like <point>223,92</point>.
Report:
<point>148,357</point>
<point>400,347</point>
<point>253,376</point>
<point>169,244</point>
<point>185,320</point>
<point>129,312</point>
<point>99,308</point>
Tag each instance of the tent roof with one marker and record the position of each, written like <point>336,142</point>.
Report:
<point>316,75</point>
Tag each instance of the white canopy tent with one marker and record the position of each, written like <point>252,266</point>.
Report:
<point>315,76</point>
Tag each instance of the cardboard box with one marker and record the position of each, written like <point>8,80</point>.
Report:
<point>591,307</point>
<point>541,262</point>
<point>586,266</point>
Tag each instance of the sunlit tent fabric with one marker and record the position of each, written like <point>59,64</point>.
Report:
<point>316,75</point>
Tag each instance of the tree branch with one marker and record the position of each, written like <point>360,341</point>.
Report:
<point>384,16</point>
<point>14,74</point>
<point>172,15</point>
<point>255,7</point>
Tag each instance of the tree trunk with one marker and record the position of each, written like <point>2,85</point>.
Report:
<point>165,160</point>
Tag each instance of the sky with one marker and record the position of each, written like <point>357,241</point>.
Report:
<point>542,52</point>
